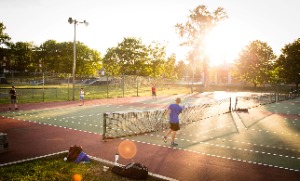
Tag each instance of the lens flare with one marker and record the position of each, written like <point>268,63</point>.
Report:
<point>127,149</point>
<point>77,177</point>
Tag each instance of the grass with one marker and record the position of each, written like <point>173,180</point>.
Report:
<point>55,93</point>
<point>53,168</point>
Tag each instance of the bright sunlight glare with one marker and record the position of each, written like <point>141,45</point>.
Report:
<point>224,43</point>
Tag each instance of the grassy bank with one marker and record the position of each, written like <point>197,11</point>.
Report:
<point>54,168</point>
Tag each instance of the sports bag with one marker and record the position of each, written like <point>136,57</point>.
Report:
<point>132,170</point>
<point>74,152</point>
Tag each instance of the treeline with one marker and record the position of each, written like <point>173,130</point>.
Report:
<point>256,64</point>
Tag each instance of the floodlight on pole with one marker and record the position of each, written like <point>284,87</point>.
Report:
<point>75,22</point>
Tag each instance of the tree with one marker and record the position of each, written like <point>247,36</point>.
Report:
<point>200,22</point>
<point>129,57</point>
<point>182,70</point>
<point>58,58</point>
<point>255,63</point>
<point>169,67</point>
<point>21,57</point>
<point>156,59</point>
<point>112,63</point>
<point>49,56</point>
<point>4,37</point>
<point>88,61</point>
<point>4,40</point>
<point>288,63</point>
<point>133,55</point>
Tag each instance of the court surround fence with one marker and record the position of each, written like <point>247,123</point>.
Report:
<point>55,89</point>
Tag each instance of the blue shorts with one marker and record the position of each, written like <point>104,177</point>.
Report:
<point>81,97</point>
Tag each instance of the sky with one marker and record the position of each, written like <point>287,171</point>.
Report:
<point>275,22</point>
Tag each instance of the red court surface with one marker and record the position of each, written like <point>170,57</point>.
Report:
<point>28,140</point>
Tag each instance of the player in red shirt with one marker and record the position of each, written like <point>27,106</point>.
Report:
<point>153,89</point>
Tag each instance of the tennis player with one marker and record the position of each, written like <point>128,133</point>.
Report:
<point>82,97</point>
<point>173,110</point>
<point>13,97</point>
<point>153,90</point>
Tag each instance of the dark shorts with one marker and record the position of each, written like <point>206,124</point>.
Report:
<point>153,93</point>
<point>174,126</point>
<point>13,101</point>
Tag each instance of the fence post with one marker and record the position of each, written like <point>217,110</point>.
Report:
<point>33,92</point>
<point>104,127</point>
<point>107,85</point>
<point>123,83</point>
<point>137,87</point>
<point>68,87</point>
<point>230,104</point>
<point>43,87</point>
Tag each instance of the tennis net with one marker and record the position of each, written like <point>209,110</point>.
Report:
<point>249,102</point>
<point>120,124</point>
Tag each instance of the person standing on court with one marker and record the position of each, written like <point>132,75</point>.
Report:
<point>13,97</point>
<point>81,97</point>
<point>174,110</point>
<point>153,90</point>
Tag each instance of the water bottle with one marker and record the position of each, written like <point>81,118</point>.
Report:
<point>116,159</point>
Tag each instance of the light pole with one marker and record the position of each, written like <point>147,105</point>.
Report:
<point>75,22</point>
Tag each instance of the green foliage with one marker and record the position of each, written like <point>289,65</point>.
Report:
<point>4,37</point>
<point>255,64</point>
<point>288,63</point>
<point>88,61</point>
<point>169,68</point>
<point>132,57</point>
<point>182,69</point>
<point>157,56</point>
<point>52,57</point>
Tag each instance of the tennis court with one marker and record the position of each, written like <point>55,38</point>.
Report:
<point>267,135</point>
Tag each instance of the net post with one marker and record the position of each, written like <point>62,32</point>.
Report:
<point>104,127</point>
<point>164,115</point>
<point>230,104</point>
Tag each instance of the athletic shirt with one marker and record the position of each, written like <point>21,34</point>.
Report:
<point>175,111</point>
<point>153,89</point>
<point>82,93</point>
<point>13,94</point>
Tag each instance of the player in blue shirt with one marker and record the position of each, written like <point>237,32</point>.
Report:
<point>174,110</point>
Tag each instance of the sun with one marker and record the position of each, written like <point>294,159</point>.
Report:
<point>224,43</point>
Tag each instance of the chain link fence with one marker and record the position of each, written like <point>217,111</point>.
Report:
<point>51,88</point>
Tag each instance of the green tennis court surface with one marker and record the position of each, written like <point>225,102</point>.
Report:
<point>268,135</point>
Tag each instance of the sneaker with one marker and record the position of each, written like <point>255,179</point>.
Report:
<point>165,139</point>
<point>174,144</point>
